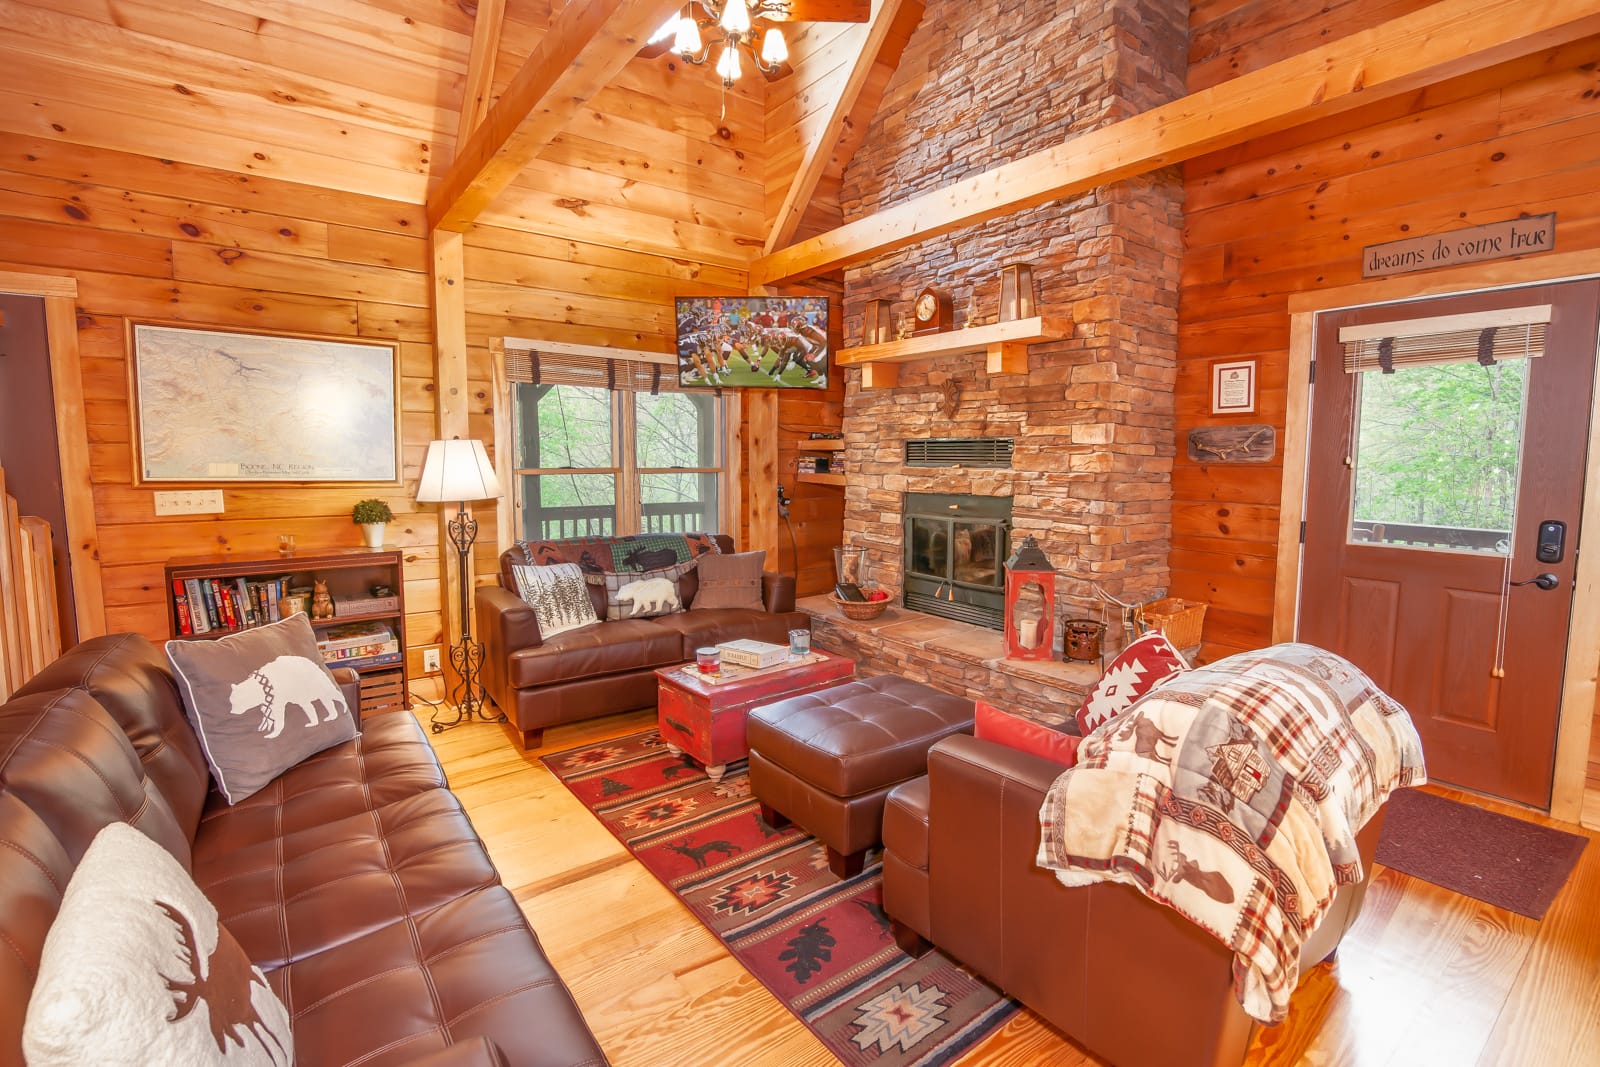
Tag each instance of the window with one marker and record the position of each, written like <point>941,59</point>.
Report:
<point>1437,433</point>
<point>613,457</point>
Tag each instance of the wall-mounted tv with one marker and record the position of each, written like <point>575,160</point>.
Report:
<point>760,342</point>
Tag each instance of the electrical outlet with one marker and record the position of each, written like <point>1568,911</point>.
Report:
<point>189,502</point>
<point>430,660</point>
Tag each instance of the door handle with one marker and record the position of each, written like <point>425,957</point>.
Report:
<point>1543,581</point>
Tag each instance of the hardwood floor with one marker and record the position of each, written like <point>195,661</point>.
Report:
<point>1425,977</point>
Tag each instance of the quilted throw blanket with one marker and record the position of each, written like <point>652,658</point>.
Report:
<point>1233,794</point>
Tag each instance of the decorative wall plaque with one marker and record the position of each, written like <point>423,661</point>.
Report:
<point>1497,240</point>
<point>1233,444</point>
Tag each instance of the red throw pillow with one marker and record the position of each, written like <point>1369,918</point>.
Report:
<point>1142,666</point>
<point>1025,735</point>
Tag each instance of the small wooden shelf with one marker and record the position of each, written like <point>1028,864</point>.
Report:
<point>826,445</point>
<point>1004,344</point>
<point>820,479</point>
<point>349,573</point>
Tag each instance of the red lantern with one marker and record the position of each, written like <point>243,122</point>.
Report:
<point>1030,602</point>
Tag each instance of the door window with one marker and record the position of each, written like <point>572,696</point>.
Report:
<point>1436,456</point>
<point>1436,427</point>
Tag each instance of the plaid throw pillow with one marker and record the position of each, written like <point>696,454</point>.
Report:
<point>642,594</point>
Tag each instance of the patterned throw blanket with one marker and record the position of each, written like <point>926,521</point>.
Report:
<point>1233,794</point>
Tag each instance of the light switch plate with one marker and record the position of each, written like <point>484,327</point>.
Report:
<point>189,502</point>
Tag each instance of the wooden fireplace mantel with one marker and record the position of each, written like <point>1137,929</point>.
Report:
<point>1004,344</point>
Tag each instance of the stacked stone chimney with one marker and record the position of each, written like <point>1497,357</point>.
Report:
<point>980,85</point>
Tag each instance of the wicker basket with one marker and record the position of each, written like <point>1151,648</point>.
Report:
<point>859,610</point>
<point>1180,620</point>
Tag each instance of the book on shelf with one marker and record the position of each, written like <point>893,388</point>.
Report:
<point>354,633</point>
<point>388,659</point>
<point>198,616</point>
<point>180,606</point>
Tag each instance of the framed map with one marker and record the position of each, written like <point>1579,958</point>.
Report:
<point>234,406</point>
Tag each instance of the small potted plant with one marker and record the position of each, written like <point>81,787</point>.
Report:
<point>372,516</point>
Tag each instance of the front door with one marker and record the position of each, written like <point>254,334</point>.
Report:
<point>1440,455</point>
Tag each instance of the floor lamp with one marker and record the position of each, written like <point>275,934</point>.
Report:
<point>456,472</point>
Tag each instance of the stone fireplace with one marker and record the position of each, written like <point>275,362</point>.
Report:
<point>1092,418</point>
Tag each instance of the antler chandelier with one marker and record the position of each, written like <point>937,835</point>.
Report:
<point>730,23</point>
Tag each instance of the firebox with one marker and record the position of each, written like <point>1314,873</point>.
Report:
<point>955,549</point>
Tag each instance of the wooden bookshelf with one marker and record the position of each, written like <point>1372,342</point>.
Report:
<point>350,574</point>
<point>819,479</point>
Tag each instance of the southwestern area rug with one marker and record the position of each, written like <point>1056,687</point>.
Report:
<point>1510,863</point>
<point>822,946</point>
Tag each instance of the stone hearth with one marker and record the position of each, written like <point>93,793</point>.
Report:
<point>954,657</point>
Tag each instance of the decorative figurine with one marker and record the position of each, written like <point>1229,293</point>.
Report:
<point>321,600</point>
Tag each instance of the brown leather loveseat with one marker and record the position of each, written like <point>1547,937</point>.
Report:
<point>354,880</point>
<point>609,667</point>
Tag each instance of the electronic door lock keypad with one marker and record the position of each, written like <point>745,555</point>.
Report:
<point>1552,541</point>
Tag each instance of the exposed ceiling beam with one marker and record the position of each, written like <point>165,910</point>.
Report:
<point>815,160</point>
<point>586,46</point>
<point>1442,41</point>
<point>486,26</point>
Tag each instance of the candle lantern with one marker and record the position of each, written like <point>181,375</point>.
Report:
<point>876,327</point>
<point>1030,602</point>
<point>1016,292</point>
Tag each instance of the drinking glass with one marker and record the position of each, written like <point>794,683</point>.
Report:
<point>799,643</point>
<point>709,660</point>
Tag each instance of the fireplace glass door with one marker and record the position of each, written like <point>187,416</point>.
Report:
<point>954,552</point>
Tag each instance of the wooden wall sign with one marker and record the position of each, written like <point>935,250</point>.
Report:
<point>1496,240</point>
<point>1232,444</point>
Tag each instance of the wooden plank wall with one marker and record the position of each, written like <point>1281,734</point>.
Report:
<point>159,240</point>
<point>1291,213</point>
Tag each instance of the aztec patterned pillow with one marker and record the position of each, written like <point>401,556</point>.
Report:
<point>136,970</point>
<point>642,594</point>
<point>558,596</point>
<point>1053,743</point>
<point>1142,666</point>
<point>260,701</point>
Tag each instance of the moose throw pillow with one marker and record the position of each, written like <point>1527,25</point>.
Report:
<point>136,970</point>
<point>260,701</point>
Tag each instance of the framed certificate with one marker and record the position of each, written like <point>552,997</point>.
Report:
<point>1233,387</point>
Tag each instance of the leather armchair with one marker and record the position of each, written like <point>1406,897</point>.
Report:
<point>1129,979</point>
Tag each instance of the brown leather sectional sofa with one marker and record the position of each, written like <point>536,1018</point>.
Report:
<point>354,880</point>
<point>608,667</point>
<point>1131,980</point>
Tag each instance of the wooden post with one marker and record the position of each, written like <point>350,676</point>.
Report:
<point>450,374</point>
<point>762,499</point>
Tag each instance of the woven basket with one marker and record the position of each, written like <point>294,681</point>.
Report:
<point>858,610</point>
<point>1180,620</point>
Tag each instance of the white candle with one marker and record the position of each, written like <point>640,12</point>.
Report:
<point>1028,632</point>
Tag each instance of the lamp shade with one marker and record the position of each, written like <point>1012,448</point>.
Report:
<point>457,471</point>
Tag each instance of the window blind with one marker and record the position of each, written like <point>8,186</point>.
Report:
<point>612,373</point>
<point>1484,337</point>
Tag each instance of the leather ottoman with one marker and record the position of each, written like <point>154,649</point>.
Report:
<point>827,760</point>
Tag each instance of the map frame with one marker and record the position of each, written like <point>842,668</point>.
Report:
<point>266,455</point>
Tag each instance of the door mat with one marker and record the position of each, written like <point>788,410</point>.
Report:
<point>1494,858</point>
<point>821,945</point>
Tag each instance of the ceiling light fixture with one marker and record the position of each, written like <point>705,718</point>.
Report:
<point>731,24</point>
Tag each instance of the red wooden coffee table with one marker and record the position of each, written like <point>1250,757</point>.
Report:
<point>703,714</point>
